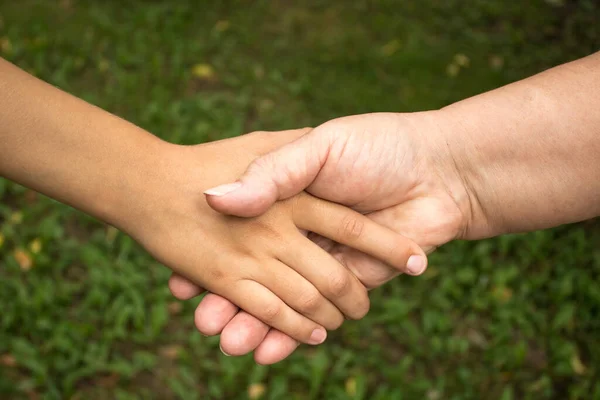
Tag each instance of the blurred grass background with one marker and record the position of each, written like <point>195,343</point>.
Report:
<point>86,314</point>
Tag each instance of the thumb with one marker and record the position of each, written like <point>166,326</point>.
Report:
<point>274,176</point>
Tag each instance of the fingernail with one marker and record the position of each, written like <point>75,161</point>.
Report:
<point>416,265</point>
<point>222,351</point>
<point>318,336</point>
<point>222,190</point>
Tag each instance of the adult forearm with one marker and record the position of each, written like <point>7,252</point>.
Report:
<point>529,152</point>
<point>70,150</point>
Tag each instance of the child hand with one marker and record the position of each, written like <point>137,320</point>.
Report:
<point>267,267</point>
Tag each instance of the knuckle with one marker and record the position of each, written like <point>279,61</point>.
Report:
<point>259,167</point>
<point>283,172</point>
<point>288,175</point>
<point>271,313</point>
<point>260,163</point>
<point>266,229</point>
<point>339,284</point>
<point>310,302</point>
<point>352,227</point>
<point>299,204</point>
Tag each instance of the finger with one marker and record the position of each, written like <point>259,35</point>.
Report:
<point>271,310</point>
<point>182,288</point>
<point>405,221</point>
<point>290,284</point>
<point>274,176</point>
<point>242,334</point>
<point>348,227</point>
<point>213,314</point>
<point>370,271</point>
<point>332,280</point>
<point>275,347</point>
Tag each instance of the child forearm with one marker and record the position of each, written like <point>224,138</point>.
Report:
<point>70,150</point>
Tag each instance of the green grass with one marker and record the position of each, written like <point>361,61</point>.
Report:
<point>516,317</point>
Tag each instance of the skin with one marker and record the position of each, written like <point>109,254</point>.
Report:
<point>426,211</point>
<point>519,158</point>
<point>78,154</point>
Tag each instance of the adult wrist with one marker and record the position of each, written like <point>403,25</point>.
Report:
<point>527,151</point>
<point>451,146</point>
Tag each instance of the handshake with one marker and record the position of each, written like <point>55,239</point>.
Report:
<point>319,217</point>
<point>289,230</point>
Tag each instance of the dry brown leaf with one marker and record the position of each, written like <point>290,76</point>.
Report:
<point>174,307</point>
<point>577,365</point>
<point>222,26</point>
<point>475,337</point>
<point>16,217</point>
<point>33,395</point>
<point>5,45</point>
<point>66,4</point>
<point>109,380</point>
<point>462,60</point>
<point>265,105</point>
<point>8,360</point>
<point>103,65</point>
<point>23,259</point>
<point>452,70</point>
<point>391,47</point>
<point>170,351</point>
<point>203,71</point>
<point>351,386</point>
<point>35,246</point>
<point>502,293</point>
<point>256,390</point>
<point>496,62</point>
<point>111,234</point>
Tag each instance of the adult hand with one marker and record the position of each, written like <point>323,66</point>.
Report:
<point>396,167</point>
<point>519,158</point>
